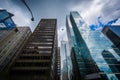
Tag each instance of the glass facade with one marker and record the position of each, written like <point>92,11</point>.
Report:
<point>72,45</point>
<point>66,61</point>
<point>113,63</point>
<point>5,20</point>
<point>89,45</point>
<point>84,62</point>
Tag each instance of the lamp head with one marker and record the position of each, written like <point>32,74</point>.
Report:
<point>32,19</point>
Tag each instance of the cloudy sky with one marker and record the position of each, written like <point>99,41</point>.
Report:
<point>90,10</point>
<point>96,13</point>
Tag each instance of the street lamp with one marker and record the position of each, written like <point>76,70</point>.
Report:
<point>32,19</point>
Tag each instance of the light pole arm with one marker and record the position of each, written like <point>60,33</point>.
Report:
<point>28,9</point>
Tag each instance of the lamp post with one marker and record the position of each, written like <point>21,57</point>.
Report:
<point>32,19</point>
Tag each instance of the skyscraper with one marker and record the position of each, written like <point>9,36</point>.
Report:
<point>86,47</point>
<point>12,38</point>
<point>11,42</point>
<point>66,69</point>
<point>58,65</point>
<point>113,33</point>
<point>82,61</point>
<point>113,63</point>
<point>37,59</point>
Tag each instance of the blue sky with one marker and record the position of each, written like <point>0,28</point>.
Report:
<point>92,12</point>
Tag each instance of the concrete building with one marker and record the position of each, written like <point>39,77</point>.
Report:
<point>10,44</point>
<point>58,65</point>
<point>38,58</point>
<point>12,38</point>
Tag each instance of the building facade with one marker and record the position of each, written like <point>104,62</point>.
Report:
<point>66,69</point>
<point>6,21</point>
<point>82,61</point>
<point>37,59</point>
<point>11,42</point>
<point>113,33</point>
<point>86,47</point>
<point>12,39</point>
<point>58,65</point>
<point>113,63</point>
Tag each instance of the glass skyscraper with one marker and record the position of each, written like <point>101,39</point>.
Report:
<point>66,61</point>
<point>86,48</point>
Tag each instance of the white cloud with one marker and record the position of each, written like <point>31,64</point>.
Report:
<point>89,10</point>
<point>62,35</point>
<point>117,23</point>
<point>104,8</point>
<point>90,14</point>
